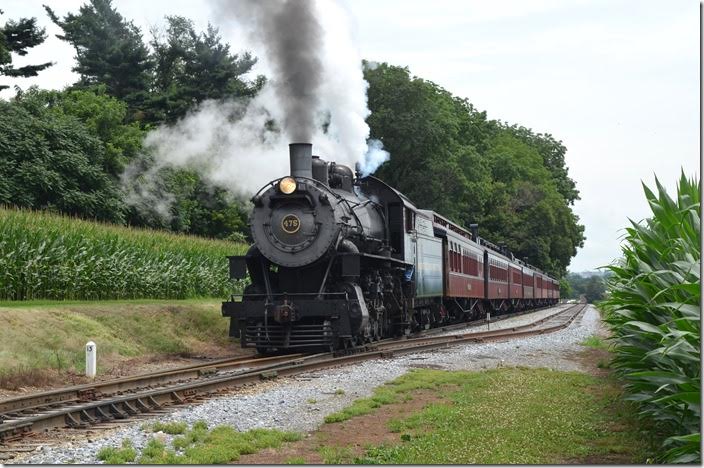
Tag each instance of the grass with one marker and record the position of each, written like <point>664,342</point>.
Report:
<point>84,304</point>
<point>46,256</point>
<point>653,309</point>
<point>333,455</point>
<point>391,392</point>
<point>219,445</point>
<point>173,427</point>
<point>118,456</point>
<point>595,342</point>
<point>49,338</point>
<point>505,416</point>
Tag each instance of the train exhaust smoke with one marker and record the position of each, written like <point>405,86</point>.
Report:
<point>315,93</point>
<point>291,36</point>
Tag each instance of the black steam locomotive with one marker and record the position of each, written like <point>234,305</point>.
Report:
<point>339,260</point>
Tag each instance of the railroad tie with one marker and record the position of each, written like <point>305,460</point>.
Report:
<point>87,417</point>
<point>102,415</point>
<point>73,422</point>
<point>153,402</point>
<point>129,408</point>
<point>142,407</point>
<point>117,412</point>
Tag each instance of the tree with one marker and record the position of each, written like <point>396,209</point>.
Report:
<point>526,211</point>
<point>553,153</point>
<point>446,156</point>
<point>16,37</point>
<point>181,201</point>
<point>51,161</point>
<point>565,288</point>
<point>104,117</point>
<point>191,67</point>
<point>109,51</point>
<point>595,289</point>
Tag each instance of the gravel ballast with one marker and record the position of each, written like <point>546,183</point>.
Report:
<point>301,403</point>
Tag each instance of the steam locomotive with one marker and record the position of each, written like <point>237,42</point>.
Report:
<point>339,260</point>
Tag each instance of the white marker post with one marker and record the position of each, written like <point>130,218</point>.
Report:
<point>91,359</point>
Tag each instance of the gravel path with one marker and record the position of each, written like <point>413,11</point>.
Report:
<point>301,403</point>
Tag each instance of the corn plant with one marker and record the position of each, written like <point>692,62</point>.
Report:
<point>46,256</point>
<point>653,310</point>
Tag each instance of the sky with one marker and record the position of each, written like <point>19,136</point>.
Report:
<point>616,80</point>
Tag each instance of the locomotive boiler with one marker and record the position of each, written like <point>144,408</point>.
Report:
<point>339,260</point>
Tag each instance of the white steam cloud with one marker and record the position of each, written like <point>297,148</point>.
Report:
<point>232,144</point>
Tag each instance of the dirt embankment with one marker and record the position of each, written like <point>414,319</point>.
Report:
<point>43,346</point>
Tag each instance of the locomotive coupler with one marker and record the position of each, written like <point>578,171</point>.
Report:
<point>285,312</point>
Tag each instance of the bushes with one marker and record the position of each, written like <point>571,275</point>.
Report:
<point>653,310</point>
<point>45,256</point>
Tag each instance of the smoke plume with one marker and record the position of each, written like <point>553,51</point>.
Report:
<point>316,93</point>
<point>291,37</point>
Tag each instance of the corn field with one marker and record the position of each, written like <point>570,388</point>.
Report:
<point>653,310</point>
<point>45,256</point>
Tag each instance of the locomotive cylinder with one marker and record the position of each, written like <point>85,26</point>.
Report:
<point>301,156</point>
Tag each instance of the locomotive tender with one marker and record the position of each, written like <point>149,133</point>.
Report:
<point>340,260</point>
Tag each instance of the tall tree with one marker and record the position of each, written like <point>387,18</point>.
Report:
<point>17,37</point>
<point>192,67</point>
<point>448,157</point>
<point>109,51</point>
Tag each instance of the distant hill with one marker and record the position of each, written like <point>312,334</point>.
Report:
<point>588,273</point>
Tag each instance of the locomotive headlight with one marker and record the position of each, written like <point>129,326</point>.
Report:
<point>287,185</point>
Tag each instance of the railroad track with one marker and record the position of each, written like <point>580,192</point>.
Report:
<point>84,406</point>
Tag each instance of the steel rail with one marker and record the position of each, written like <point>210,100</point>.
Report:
<point>479,322</point>
<point>483,333</point>
<point>118,407</point>
<point>94,390</point>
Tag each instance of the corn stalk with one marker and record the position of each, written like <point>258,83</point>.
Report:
<point>654,313</point>
<point>45,256</point>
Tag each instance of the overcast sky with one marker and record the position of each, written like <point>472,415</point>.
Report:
<point>617,81</point>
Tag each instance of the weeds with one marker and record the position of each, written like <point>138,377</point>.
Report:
<point>595,342</point>
<point>117,456</point>
<point>173,427</point>
<point>333,455</point>
<point>222,444</point>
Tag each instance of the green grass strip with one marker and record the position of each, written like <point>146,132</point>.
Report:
<point>503,416</point>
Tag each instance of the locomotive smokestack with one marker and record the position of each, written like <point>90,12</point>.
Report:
<point>301,159</point>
